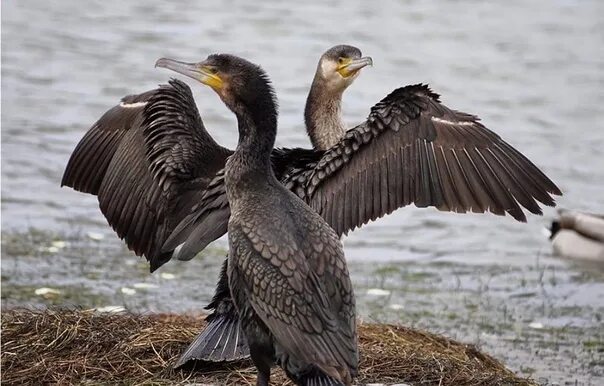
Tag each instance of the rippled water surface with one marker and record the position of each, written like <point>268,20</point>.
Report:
<point>533,71</point>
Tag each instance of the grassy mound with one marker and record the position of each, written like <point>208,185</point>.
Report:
<point>83,346</point>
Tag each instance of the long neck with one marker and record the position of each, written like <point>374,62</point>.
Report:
<point>251,161</point>
<point>256,139</point>
<point>323,115</point>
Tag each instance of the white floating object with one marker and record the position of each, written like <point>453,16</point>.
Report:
<point>49,249</point>
<point>110,309</point>
<point>167,276</point>
<point>536,325</point>
<point>128,291</point>
<point>378,292</point>
<point>45,291</point>
<point>396,307</point>
<point>95,236</point>
<point>144,285</point>
<point>59,244</point>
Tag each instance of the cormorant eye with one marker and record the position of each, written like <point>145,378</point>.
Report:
<point>340,60</point>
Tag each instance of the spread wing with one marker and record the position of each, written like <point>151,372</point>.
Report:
<point>414,150</point>
<point>154,172</point>
<point>300,288</point>
<point>89,161</point>
<point>209,218</point>
<point>411,150</point>
<point>207,221</point>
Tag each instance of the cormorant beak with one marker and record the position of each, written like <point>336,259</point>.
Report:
<point>198,71</point>
<point>352,66</point>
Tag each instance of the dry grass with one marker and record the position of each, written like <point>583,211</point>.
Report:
<point>76,346</point>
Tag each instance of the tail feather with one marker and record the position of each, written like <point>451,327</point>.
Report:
<point>222,340</point>
<point>320,379</point>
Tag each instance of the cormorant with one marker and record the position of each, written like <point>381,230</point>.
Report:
<point>150,158</point>
<point>286,268</point>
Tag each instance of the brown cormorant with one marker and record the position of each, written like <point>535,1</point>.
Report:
<point>286,268</point>
<point>151,162</point>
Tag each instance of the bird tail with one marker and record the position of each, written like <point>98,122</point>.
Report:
<point>320,379</point>
<point>222,340</point>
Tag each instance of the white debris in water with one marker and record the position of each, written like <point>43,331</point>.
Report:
<point>536,325</point>
<point>47,292</point>
<point>95,236</point>
<point>144,285</point>
<point>128,291</point>
<point>378,292</point>
<point>110,309</point>
<point>59,244</point>
<point>49,249</point>
<point>54,246</point>
<point>396,306</point>
<point>167,276</point>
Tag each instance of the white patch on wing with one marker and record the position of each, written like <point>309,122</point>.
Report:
<point>132,105</point>
<point>447,122</point>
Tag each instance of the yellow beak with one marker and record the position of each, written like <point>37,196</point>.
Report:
<point>352,66</point>
<point>198,71</point>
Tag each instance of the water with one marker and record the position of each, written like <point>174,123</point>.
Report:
<point>533,71</point>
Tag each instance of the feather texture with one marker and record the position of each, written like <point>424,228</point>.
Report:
<point>146,160</point>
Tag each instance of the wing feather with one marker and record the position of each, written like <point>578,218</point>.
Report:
<point>90,159</point>
<point>413,149</point>
<point>147,160</point>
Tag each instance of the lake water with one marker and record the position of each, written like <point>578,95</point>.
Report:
<point>533,71</point>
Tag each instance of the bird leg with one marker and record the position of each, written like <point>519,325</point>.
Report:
<point>263,377</point>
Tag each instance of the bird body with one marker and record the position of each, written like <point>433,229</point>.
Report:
<point>578,235</point>
<point>287,273</point>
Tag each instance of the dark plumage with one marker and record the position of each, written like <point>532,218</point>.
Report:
<point>147,159</point>
<point>286,270</point>
<point>411,149</point>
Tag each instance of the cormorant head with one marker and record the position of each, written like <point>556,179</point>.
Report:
<point>340,65</point>
<point>240,84</point>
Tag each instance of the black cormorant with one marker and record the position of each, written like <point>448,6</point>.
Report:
<point>149,159</point>
<point>151,162</point>
<point>286,268</point>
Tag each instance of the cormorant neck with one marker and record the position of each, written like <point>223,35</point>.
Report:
<point>256,137</point>
<point>257,132</point>
<point>323,115</point>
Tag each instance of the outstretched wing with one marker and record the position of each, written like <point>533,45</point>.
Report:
<point>161,162</point>
<point>410,150</point>
<point>413,149</point>
<point>209,217</point>
<point>88,163</point>
<point>207,221</point>
<point>298,284</point>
